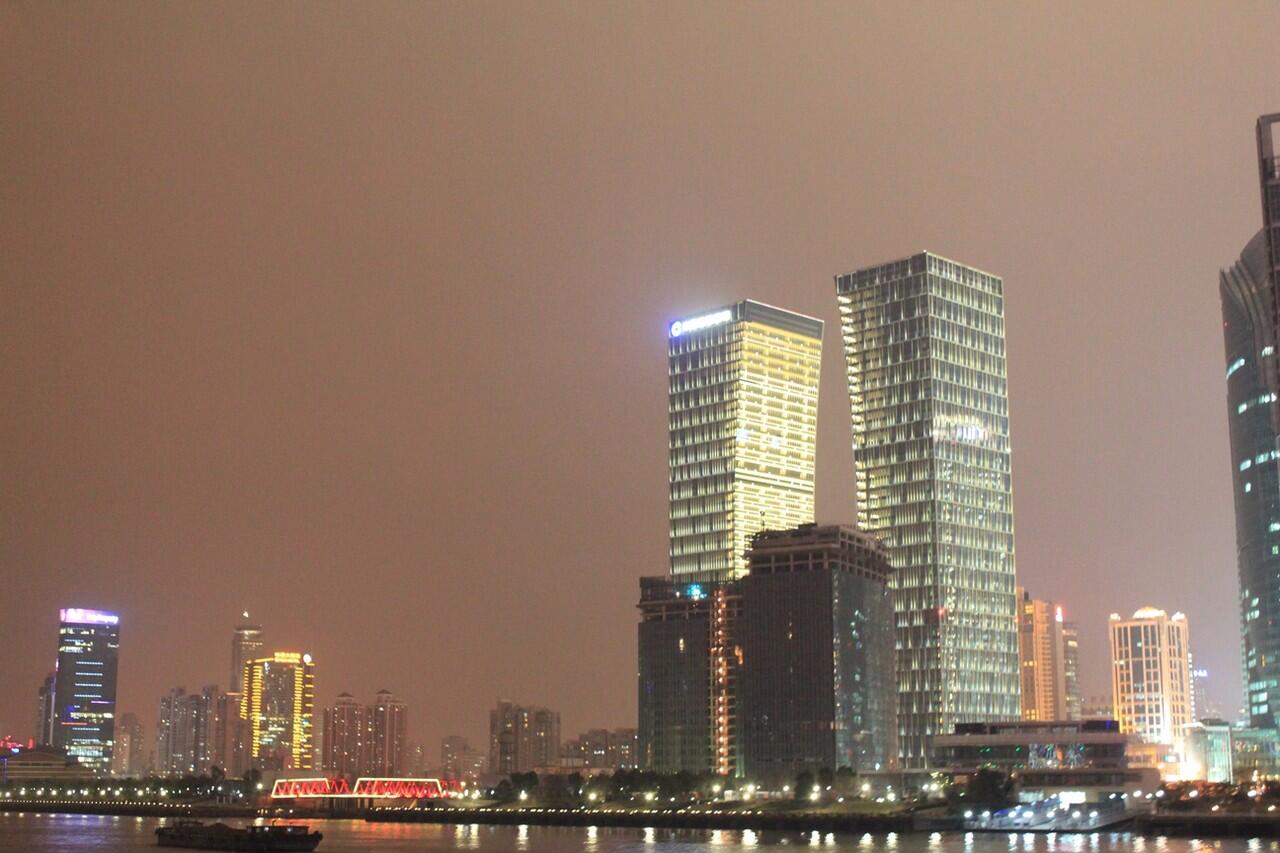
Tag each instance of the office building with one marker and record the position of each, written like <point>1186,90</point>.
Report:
<point>1071,665</point>
<point>1151,675</point>
<point>185,730</point>
<point>346,730</point>
<point>1208,757</point>
<point>46,715</point>
<point>522,738</point>
<point>246,645</point>
<point>1249,327</point>
<point>1042,652</point>
<point>743,415</point>
<point>924,345</point>
<point>387,739</point>
<point>85,686</point>
<point>277,706</point>
<point>816,684</point>
<point>675,671</point>
<point>127,758</point>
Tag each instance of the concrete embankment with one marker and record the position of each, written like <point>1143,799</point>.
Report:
<point>1209,824</point>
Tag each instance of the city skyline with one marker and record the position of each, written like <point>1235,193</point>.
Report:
<point>322,394</point>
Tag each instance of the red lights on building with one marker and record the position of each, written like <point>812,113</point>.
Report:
<point>372,788</point>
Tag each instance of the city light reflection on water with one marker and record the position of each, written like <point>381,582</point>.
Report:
<point>44,833</point>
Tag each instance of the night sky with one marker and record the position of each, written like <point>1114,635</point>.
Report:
<point>355,315</point>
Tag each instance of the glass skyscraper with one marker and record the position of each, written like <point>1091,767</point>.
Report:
<point>85,686</point>
<point>924,343</point>
<point>1249,334</point>
<point>743,418</point>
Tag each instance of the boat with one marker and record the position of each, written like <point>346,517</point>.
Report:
<point>219,836</point>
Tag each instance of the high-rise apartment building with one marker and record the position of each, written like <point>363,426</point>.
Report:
<point>346,730</point>
<point>186,730</point>
<point>924,344</point>
<point>387,738</point>
<point>228,735</point>
<point>743,417</point>
<point>1151,675</point>
<point>277,706</point>
<point>85,686</point>
<point>1249,327</point>
<point>816,684</point>
<point>1042,651</point>
<point>522,738</point>
<point>602,749</point>
<point>128,756</point>
<point>246,645</point>
<point>458,760</point>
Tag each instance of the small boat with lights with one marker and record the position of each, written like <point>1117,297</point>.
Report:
<point>195,835</point>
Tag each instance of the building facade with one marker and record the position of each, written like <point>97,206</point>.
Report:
<point>1071,664</point>
<point>602,749</point>
<point>277,708</point>
<point>46,713</point>
<point>1042,653</point>
<point>387,736</point>
<point>185,732</point>
<point>522,738</point>
<point>816,683</point>
<point>85,686</point>
<point>345,732</point>
<point>128,758</point>
<point>1249,327</point>
<point>458,760</point>
<point>246,645</point>
<point>924,346</point>
<point>743,419</point>
<point>1151,675</point>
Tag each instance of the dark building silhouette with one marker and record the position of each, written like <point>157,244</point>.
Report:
<point>816,683</point>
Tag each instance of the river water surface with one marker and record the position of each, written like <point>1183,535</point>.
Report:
<point>23,832</point>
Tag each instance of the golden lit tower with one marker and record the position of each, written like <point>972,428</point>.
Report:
<point>743,418</point>
<point>279,698</point>
<point>1151,675</point>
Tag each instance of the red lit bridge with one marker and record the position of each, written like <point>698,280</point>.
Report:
<point>334,787</point>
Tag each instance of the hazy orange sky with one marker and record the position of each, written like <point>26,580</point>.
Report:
<point>355,314</point>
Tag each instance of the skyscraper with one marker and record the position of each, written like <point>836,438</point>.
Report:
<point>924,344</point>
<point>345,732</point>
<point>1249,317</point>
<point>387,738</point>
<point>1151,675</point>
<point>742,416</point>
<point>85,686</point>
<point>277,706</point>
<point>1043,655</point>
<point>742,420</point>
<point>1071,663</point>
<point>816,683</point>
<point>246,645</point>
<point>46,711</point>
<point>185,731</point>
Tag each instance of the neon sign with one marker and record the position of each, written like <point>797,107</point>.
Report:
<point>82,616</point>
<point>696,324</point>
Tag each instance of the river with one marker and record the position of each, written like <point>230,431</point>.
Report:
<point>36,833</point>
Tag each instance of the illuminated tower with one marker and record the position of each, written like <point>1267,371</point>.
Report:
<point>85,686</point>
<point>1151,675</point>
<point>924,343</point>
<point>1042,652</point>
<point>246,644</point>
<point>743,420</point>
<point>277,705</point>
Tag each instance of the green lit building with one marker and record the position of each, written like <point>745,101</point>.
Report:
<point>924,343</point>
